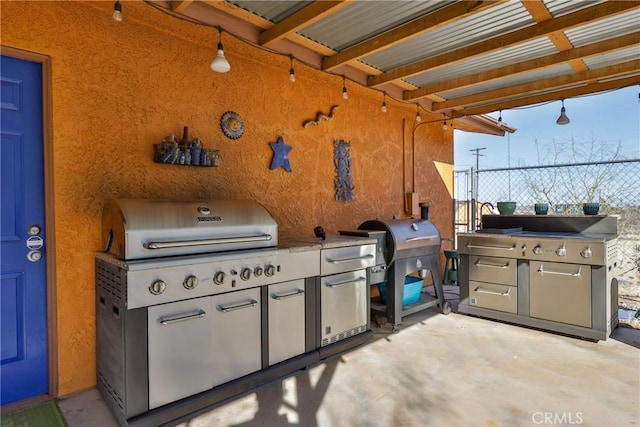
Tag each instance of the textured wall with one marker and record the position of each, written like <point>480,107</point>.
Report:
<point>120,87</point>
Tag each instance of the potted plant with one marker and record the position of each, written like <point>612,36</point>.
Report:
<point>506,208</point>
<point>590,208</point>
<point>541,208</point>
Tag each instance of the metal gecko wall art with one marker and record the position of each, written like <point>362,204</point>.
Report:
<point>344,176</point>
<point>320,117</point>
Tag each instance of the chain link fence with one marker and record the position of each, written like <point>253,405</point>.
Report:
<point>615,185</point>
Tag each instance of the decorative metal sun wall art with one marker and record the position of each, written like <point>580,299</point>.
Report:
<point>232,125</point>
<point>344,175</point>
<point>280,154</point>
<point>320,117</point>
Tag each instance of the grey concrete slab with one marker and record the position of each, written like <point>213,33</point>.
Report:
<point>439,370</point>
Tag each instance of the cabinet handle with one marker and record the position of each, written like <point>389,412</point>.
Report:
<point>560,273</point>
<point>204,242</point>
<point>344,282</point>
<point>289,295</point>
<point>343,260</point>
<point>181,317</point>
<point>482,264</point>
<point>487,291</point>
<point>228,308</point>
<point>503,248</point>
<point>413,239</point>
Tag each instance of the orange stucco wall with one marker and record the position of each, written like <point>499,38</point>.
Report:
<point>120,87</point>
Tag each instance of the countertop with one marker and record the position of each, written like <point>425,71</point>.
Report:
<point>310,243</point>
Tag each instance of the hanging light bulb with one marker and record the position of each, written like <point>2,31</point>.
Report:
<point>444,125</point>
<point>563,119</point>
<point>292,72</point>
<point>500,120</point>
<point>345,94</point>
<point>220,63</point>
<point>117,11</point>
<point>384,102</point>
<point>418,116</point>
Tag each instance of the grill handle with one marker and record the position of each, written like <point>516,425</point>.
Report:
<point>181,318</point>
<point>560,273</point>
<point>228,308</point>
<point>204,242</point>
<point>289,295</point>
<point>413,239</point>
<point>486,291</point>
<point>504,248</point>
<point>344,282</point>
<point>343,260</point>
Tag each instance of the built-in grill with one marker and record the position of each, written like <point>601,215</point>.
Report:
<point>411,246</point>
<point>554,273</point>
<point>196,302</point>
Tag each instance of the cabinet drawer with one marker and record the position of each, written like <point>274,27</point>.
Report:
<point>493,270</point>
<point>493,296</point>
<point>348,258</point>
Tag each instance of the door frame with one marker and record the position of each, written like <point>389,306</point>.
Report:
<point>47,133</point>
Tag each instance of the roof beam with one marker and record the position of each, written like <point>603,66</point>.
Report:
<point>179,6</point>
<point>541,29</point>
<point>539,85</point>
<point>578,53</point>
<point>411,29</point>
<point>550,96</point>
<point>303,18</point>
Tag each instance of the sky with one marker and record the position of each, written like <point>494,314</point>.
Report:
<point>610,117</point>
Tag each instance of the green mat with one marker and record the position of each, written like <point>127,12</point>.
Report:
<point>44,415</point>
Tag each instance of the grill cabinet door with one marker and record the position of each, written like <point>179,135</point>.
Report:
<point>180,346</point>
<point>343,306</point>
<point>237,339</point>
<point>286,320</point>
<point>561,292</point>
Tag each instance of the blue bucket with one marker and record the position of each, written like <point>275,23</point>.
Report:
<point>412,290</point>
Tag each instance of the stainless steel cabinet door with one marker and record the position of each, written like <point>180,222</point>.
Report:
<point>560,292</point>
<point>180,346</point>
<point>237,340</point>
<point>347,258</point>
<point>343,305</point>
<point>286,320</point>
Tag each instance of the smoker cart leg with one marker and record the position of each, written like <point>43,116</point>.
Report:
<point>446,307</point>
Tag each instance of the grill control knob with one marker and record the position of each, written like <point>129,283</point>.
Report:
<point>157,287</point>
<point>218,278</point>
<point>245,274</point>
<point>190,282</point>
<point>269,270</point>
<point>257,272</point>
<point>561,251</point>
<point>586,253</point>
<point>537,250</point>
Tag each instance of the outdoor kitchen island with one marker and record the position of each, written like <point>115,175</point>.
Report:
<point>556,273</point>
<point>200,301</point>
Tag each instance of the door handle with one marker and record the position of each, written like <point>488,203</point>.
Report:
<point>34,255</point>
<point>483,264</point>
<point>560,273</point>
<point>228,308</point>
<point>343,260</point>
<point>487,291</point>
<point>502,248</point>
<point>344,282</point>
<point>181,317</point>
<point>289,295</point>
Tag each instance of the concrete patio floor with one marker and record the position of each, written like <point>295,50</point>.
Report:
<point>439,370</point>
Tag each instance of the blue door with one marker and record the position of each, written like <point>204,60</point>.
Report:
<point>23,297</point>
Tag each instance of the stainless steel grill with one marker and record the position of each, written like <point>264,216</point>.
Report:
<point>410,246</point>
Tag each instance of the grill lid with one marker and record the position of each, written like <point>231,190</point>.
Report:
<point>138,228</point>
<point>406,238</point>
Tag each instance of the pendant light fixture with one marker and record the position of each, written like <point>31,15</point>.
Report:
<point>220,63</point>
<point>418,116</point>
<point>117,11</point>
<point>384,102</point>
<point>345,94</point>
<point>563,119</point>
<point>292,72</point>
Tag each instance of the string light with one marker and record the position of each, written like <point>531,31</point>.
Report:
<point>384,102</point>
<point>345,94</point>
<point>418,117</point>
<point>292,72</point>
<point>220,63</point>
<point>500,119</point>
<point>117,11</point>
<point>563,119</point>
<point>444,125</point>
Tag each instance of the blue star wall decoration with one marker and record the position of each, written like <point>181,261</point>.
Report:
<point>280,155</point>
